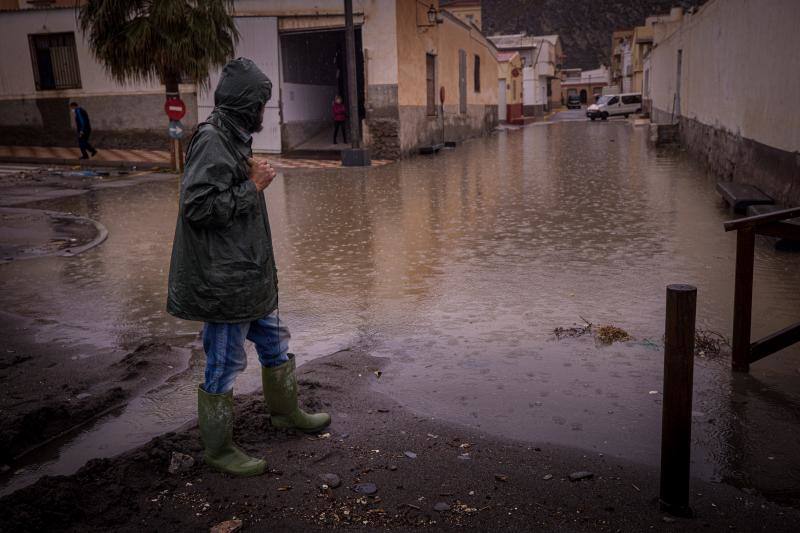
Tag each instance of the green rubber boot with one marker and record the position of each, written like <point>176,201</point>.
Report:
<point>280,394</point>
<point>215,416</point>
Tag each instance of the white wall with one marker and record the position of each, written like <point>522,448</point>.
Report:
<point>16,69</point>
<point>379,33</point>
<point>740,69</point>
<point>307,102</point>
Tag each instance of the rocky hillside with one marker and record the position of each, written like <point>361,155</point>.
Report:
<point>585,26</point>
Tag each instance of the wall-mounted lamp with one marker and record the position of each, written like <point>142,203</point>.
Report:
<point>433,16</point>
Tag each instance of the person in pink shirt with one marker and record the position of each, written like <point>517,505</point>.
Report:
<point>339,118</point>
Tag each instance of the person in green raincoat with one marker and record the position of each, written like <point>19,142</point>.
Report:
<point>223,269</point>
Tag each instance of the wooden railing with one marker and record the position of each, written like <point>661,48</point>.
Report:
<point>770,224</point>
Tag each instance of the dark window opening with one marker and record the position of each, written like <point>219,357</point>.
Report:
<point>477,74</point>
<point>430,80</point>
<point>55,61</point>
<point>462,81</point>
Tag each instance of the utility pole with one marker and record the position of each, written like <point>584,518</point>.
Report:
<point>355,156</point>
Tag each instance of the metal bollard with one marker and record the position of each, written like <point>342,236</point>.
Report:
<point>676,420</point>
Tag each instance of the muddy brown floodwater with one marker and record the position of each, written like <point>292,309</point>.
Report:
<point>458,268</point>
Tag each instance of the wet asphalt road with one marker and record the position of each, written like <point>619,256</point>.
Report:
<point>458,267</point>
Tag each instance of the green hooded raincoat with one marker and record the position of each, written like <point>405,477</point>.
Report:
<point>222,267</point>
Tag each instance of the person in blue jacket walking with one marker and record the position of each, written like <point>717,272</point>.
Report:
<point>84,127</point>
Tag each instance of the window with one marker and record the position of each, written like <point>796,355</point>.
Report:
<point>430,80</point>
<point>613,100</point>
<point>477,73</point>
<point>631,99</point>
<point>55,61</point>
<point>462,81</point>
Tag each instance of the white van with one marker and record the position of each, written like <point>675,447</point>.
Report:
<point>610,105</point>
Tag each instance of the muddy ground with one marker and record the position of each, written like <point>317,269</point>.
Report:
<point>482,482</point>
<point>51,389</point>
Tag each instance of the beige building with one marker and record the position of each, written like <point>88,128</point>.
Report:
<point>642,44</point>
<point>468,11</point>
<point>586,84</point>
<point>728,74</point>
<point>450,57</point>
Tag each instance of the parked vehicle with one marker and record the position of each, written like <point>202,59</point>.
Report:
<point>610,105</point>
<point>573,101</point>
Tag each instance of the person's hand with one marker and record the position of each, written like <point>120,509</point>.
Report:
<point>261,173</point>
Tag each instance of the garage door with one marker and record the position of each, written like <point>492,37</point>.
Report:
<point>258,40</point>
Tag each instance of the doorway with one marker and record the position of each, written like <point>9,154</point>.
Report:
<point>583,96</point>
<point>314,68</point>
<point>502,110</point>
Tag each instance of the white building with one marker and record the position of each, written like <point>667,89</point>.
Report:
<point>45,64</point>
<point>728,74</point>
<point>541,59</point>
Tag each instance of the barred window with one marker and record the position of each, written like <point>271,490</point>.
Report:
<point>55,61</point>
<point>430,81</point>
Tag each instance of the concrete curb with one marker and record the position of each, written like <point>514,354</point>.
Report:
<point>102,233</point>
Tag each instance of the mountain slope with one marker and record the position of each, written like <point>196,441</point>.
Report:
<point>585,26</point>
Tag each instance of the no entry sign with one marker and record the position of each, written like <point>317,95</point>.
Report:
<point>175,108</point>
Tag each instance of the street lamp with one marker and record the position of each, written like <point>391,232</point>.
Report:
<point>432,16</point>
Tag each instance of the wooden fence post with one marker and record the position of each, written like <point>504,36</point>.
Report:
<point>743,299</point>
<point>676,421</point>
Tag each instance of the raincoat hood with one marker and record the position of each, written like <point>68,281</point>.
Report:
<point>240,93</point>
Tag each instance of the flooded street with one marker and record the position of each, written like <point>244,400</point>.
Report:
<point>458,267</point>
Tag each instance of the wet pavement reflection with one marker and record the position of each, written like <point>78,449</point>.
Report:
<point>458,267</point>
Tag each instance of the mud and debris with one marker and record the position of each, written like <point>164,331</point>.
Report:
<point>610,334</point>
<point>74,387</point>
<point>135,492</point>
<point>710,343</point>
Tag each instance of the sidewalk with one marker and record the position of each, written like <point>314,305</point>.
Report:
<point>138,158</point>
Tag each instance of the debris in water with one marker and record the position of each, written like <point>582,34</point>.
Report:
<point>577,476</point>
<point>410,455</point>
<point>441,507</point>
<point>501,477</point>
<point>611,334</point>
<point>229,526</point>
<point>709,343</point>
<point>575,331</point>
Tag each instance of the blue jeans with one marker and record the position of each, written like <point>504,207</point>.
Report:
<point>224,347</point>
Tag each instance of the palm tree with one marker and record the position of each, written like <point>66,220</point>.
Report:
<point>159,40</point>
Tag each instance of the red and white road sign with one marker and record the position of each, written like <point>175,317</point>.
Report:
<point>175,108</point>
